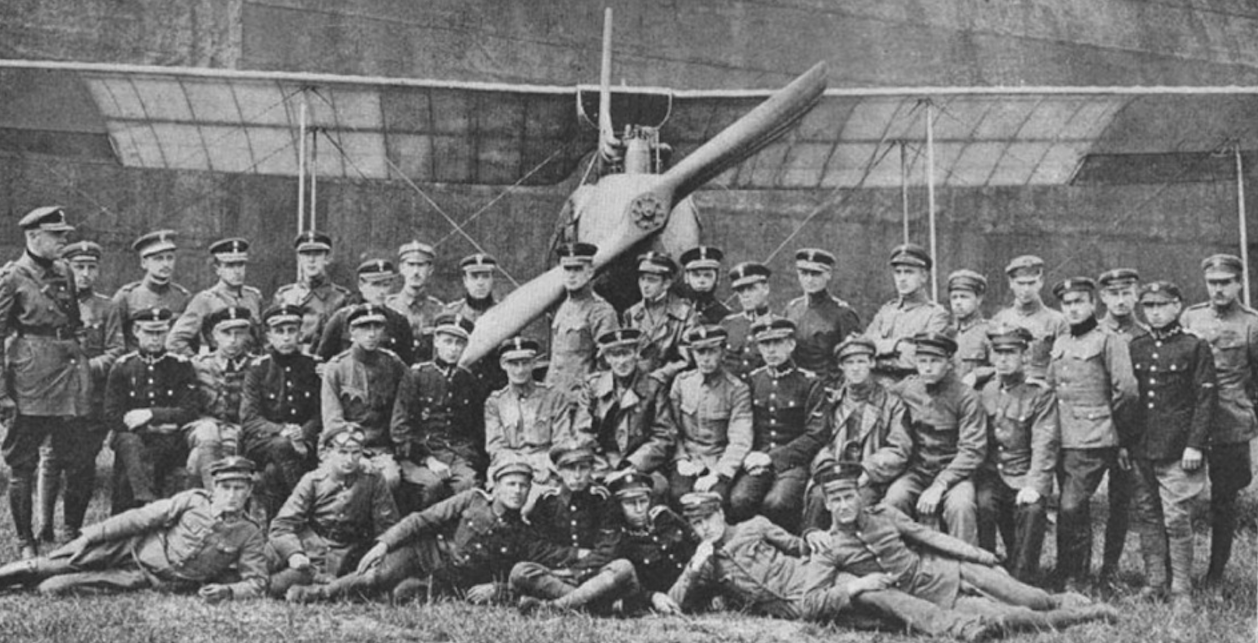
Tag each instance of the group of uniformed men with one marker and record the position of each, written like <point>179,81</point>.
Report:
<point>821,469</point>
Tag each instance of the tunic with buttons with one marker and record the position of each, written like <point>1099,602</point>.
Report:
<point>102,341</point>
<point>741,355</point>
<point>420,311</point>
<point>663,324</point>
<point>327,518</point>
<point>525,423</point>
<point>359,390</point>
<point>973,347</point>
<point>628,425</point>
<point>336,335</point>
<point>712,419</point>
<point>1044,323</point>
<point>488,370</point>
<point>145,294</point>
<point>871,416</point>
<point>1128,327</point>
<point>708,308</point>
<point>1092,377</point>
<point>278,390</point>
<point>948,428</point>
<point>1022,432</point>
<point>1233,336</point>
<point>166,384</point>
<point>580,320</point>
<point>436,410</point>
<point>1178,394</point>
<point>321,300</point>
<point>185,336</point>
<point>659,550</point>
<point>821,322</point>
<point>221,380</point>
<point>901,319</point>
<point>586,520</point>
<point>789,415</point>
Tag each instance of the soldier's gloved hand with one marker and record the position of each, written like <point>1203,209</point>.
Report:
<point>817,540</point>
<point>215,593</point>
<point>1027,496</point>
<point>663,604</point>
<point>1124,459</point>
<point>875,582</point>
<point>929,501</point>
<point>689,468</point>
<point>299,561</point>
<point>372,557</point>
<point>482,594</point>
<point>291,431</point>
<point>705,483</point>
<point>757,462</point>
<point>437,467</point>
<point>136,418</point>
<point>1191,460</point>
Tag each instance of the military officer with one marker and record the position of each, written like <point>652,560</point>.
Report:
<point>949,433</point>
<point>280,408</point>
<point>415,260</point>
<point>523,418</point>
<point>360,388</point>
<point>46,375</point>
<point>332,518</point>
<point>157,289</point>
<point>478,296</point>
<point>1178,401</point>
<point>1026,280</point>
<point>102,345</point>
<point>149,395</point>
<point>375,278</point>
<point>910,313</point>
<point>220,375</point>
<point>314,290</point>
<point>438,427</point>
<point>1091,373</point>
<point>662,317</point>
<point>710,412</point>
<point>657,541</point>
<point>821,319</point>
<point>581,318</point>
<point>231,262</point>
<point>1232,330</point>
<point>750,282</point>
<point>198,539</point>
<point>789,427</point>
<point>1013,484</point>
<point>701,266</point>
<point>965,293</point>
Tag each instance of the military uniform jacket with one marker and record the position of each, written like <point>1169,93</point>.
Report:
<point>630,426</point>
<point>948,428</point>
<point>526,423</point>
<point>327,519</point>
<point>788,406</point>
<point>1233,337</point>
<point>1044,323</point>
<point>875,419</point>
<point>901,319</point>
<point>336,337</point>
<point>221,380</point>
<point>488,371</point>
<point>46,371</point>
<point>973,348</point>
<point>320,299</point>
<point>181,541</point>
<point>185,336</point>
<point>144,294</point>
<point>1178,394</point>
<point>709,309</point>
<point>663,324</point>
<point>580,319</point>
<point>166,384</point>
<point>279,390</point>
<point>660,550</point>
<point>420,311</point>
<point>437,410</point>
<point>1092,377</point>
<point>102,342</point>
<point>759,565</point>
<point>821,322</point>
<point>712,419</point>
<point>359,389</point>
<point>1128,328</point>
<point>1023,437</point>
<point>476,544</point>
<point>741,355</point>
<point>585,520</point>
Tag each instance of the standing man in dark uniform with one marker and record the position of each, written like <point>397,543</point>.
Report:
<point>375,278</point>
<point>102,345</point>
<point>701,267</point>
<point>46,375</point>
<point>1232,330</point>
<point>662,317</point>
<point>973,360</point>
<point>231,262</point>
<point>420,308</point>
<point>314,290</point>
<point>478,296</point>
<point>821,319</point>
<point>582,318</point>
<point>912,312</point>
<point>750,281</point>
<point>156,289</point>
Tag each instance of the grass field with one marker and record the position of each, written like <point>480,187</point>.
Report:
<point>149,617</point>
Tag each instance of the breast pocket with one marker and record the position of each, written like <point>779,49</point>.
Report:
<point>1229,352</point>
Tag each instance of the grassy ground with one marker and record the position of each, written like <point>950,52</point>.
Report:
<point>1225,616</point>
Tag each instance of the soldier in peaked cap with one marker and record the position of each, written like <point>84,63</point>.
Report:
<point>479,271</point>
<point>655,539</point>
<point>157,289</point>
<point>910,313</point>
<point>1026,280</point>
<point>701,270</point>
<point>966,289</point>
<point>45,379</point>
<point>662,316</point>
<point>415,261</point>
<point>1091,373</point>
<point>1231,327</point>
<point>314,289</point>
<point>221,375</point>
<point>375,278</point>
<point>581,318</point>
<point>231,262</point>
<point>523,419</point>
<point>821,319</point>
<point>750,282</point>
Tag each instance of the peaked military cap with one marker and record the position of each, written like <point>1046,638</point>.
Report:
<point>656,263</point>
<point>283,314</point>
<point>705,336</point>
<point>1008,336</point>
<point>1118,278</point>
<point>1074,284</point>
<point>50,218</point>
<point>416,250</point>
<point>234,250</point>
<point>1223,263</point>
<point>343,435</point>
<point>82,251</point>
<point>367,314</point>
<point>700,504</point>
<point>747,273</point>
<point>1160,291</point>
<point>1024,263</point>
<point>701,257</point>
<point>967,280</point>
<point>574,254</point>
<point>855,345</point>
<point>631,485</point>
<point>843,475</point>
<point>512,466</point>
<point>155,242</point>
<point>771,327</point>
<point>935,344</point>
<point>377,270</point>
<point>453,324</point>
<point>911,254</point>
<point>478,262</point>
<point>814,259</point>
<point>518,348</point>
<point>229,317</point>
<point>313,241</point>
<point>619,337</point>
<point>233,467</point>
<point>155,318</point>
<point>571,453</point>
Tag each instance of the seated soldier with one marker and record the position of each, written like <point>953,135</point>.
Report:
<point>873,542</point>
<point>279,408</point>
<point>621,410</point>
<point>195,539</point>
<point>710,410</point>
<point>869,424</point>
<point>437,428</point>
<point>788,407</point>
<point>523,418</point>
<point>467,544</point>
<point>657,541</point>
<point>220,375</point>
<point>333,517</point>
<point>149,394</point>
<point>580,514</point>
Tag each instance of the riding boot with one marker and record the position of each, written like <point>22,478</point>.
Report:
<point>1222,531</point>
<point>20,504</point>
<point>616,578</point>
<point>1181,567</point>
<point>49,487</point>
<point>1153,551</point>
